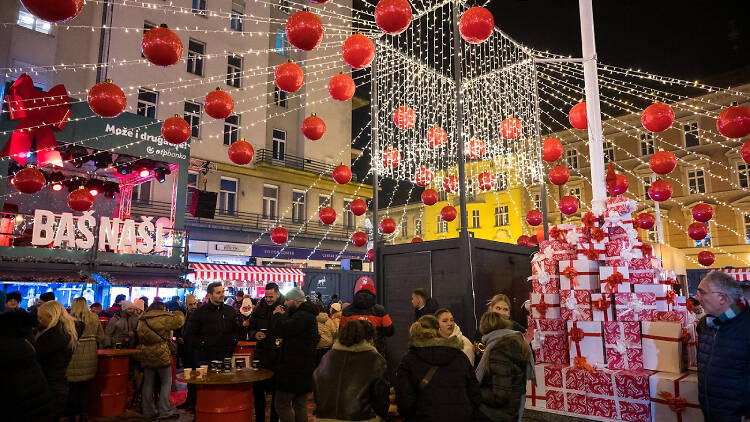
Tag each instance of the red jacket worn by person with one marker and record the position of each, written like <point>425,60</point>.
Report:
<point>364,307</point>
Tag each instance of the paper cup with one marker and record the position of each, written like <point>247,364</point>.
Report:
<point>188,373</point>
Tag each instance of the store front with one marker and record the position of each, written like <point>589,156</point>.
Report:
<point>249,279</point>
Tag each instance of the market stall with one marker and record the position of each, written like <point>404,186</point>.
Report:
<point>250,279</point>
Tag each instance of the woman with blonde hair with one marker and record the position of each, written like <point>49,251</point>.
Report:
<point>55,343</point>
<point>82,367</point>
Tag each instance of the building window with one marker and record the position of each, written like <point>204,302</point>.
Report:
<point>691,134</point>
<point>192,182</point>
<point>146,26</point>
<point>270,201</point>
<point>324,201</point>
<point>442,225</point>
<point>418,227</point>
<point>199,7</point>
<point>609,151</point>
<point>349,220</point>
<point>404,227</point>
<point>147,102</point>
<point>282,44</point>
<point>647,143</point>
<point>475,219</point>
<point>747,229</point>
<point>743,171</point>
<point>696,181</point>
<point>141,193</point>
<point>442,195</point>
<point>538,201</point>
<point>231,129</point>
<point>298,207</point>
<point>646,185</point>
<point>652,235</point>
<point>571,156</point>
<point>284,6</point>
<point>706,241</point>
<point>279,97</point>
<point>193,116</point>
<point>238,10</point>
<point>195,57</point>
<point>501,216</point>
<point>501,183</point>
<point>234,71</point>
<point>228,196</point>
<point>575,192</point>
<point>279,144</point>
<point>27,20</point>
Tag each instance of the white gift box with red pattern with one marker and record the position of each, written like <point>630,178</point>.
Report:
<point>620,395</point>
<point>550,341</point>
<point>589,250</point>
<point>536,394</point>
<point>579,274</point>
<point>566,388</point>
<point>662,346</point>
<point>622,342</point>
<point>635,306</point>
<point>621,204</point>
<point>557,250</point>
<point>674,397</point>
<point>544,277</point>
<point>586,342</point>
<point>666,298</point>
<point>575,305</point>
<point>642,271</point>
<point>603,307</point>
<point>614,279</point>
<point>545,306</point>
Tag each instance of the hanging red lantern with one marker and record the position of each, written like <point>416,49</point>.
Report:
<point>568,205</point>
<point>486,181</point>
<point>107,99</point>
<point>289,77</point>
<point>559,175</point>
<point>474,148</point>
<point>450,184</point>
<point>697,231</point>
<point>393,16</point>
<point>304,30</point>
<point>436,137</point>
<point>313,127</point>
<point>746,152</point>
<point>218,104</point>
<point>370,255</point>
<point>476,25</point>
<point>279,235</point>
<point>387,225</point>
<point>161,46</point>
<point>327,215</point>
<point>241,152</point>
<point>29,180</point>
<point>175,130</point>
<point>358,207</point>
<point>662,162</point>
<point>54,10</point>
<point>645,220</point>
<point>359,239</point>
<point>429,197</point>
<point>423,177</point>
<point>706,258</point>
<point>523,240</point>
<point>391,157</point>
<point>341,87</point>
<point>734,122</point>
<point>577,116</point>
<point>657,117</point>
<point>534,217</point>
<point>404,117</point>
<point>342,174</point>
<point>417,240</point>
<point>552,150</point>
<point>703,212</point>
<point>660,190</point>
<point>510,128</point>
<point>80,199</point>
<point>619,185</point>
<point>448,213</point>
<point>358,51</point>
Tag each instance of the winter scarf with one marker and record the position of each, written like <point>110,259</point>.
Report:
<point>490,340</point>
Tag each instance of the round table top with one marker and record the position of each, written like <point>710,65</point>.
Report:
<point>240,376</point>
<point>246,343</point>
<point>116,352</point>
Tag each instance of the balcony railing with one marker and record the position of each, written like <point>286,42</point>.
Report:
<point>295,163</point>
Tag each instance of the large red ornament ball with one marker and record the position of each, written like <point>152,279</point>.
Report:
<point>745,151</point>
<point>476,25</point>
<point>107,99</point>
<point>450,184</point>
<point>313,127</point>
<point>429,197</point>
<point>175,130</point>
<point>358,51</point>
<point>734,122</point>
<point>279,235</point>
<point>657,117</point>
<point>241,152</point>
<point>29,180</point>
<point>645,220</point>
<point>423,177</point>
<point>474,148</point>
<point>289,77</point>
<point>552,150</point>
<point>523,240</point>
<point>697,231</point>
<point>370,255</point>
<point>417,240</point>
<point>703,212</point>
<point>218,104</point>
<point>161,46</point>
<point>359,239</point>
<point>577,116</point>
<point>80,199</point>
<point>341,87</point>
<point>706,258</point>
<point>393,16</point>
<point>342,174</point>
<point>619,186</point>
<point>660,190</point>
<point>436,137</point>
<point>568,205</point>
<point>387,226</point>
<point>304,30</point>
<point>510,128</point>
<point>448,213</point>
<point>662,162</point>
<point>358,207</point>
<point>534,217</point>
<point>54,10</point>
<point>404,117</point>
<point>559,175</point>
<point>327,215</point>
<point>486,181</point>
<point>391,157</point>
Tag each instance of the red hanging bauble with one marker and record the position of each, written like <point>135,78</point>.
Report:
<point>523,240</point>
<point>161,46</point>
<point>436,137</point>
<point>559,175</point>
<point>703,212</point>
<point>288,77</point>
<point>660,190</point>
<point>568,205</point>
<point>745,151</point>
<point>734,122</point>
<point>341,87</point>
<point>510,128</point>
<point>29,180</point>
<point>619,186</point>
<point>218,104</point>
<point>80,199</point>
<point>662,162</point>
<point>327,215</point>
<point>474,148</point>
<point>577,116</point>
<point>279,235</point>
<point>429,197</point>
<point>476,25</point>
<point>313,127</point>
<point>551,150</point>
<point>304,30</point>
<point>646,220</point>
<point>241,152</point>
<point>706,258</point>
<point>417,240</point>
<point>450,184</point>
<point>697,231</point>
<point>370,255</point>
<point>342,174</point>
<point>404,117</point>
<point>175,130</point>
<point>657,117</point>
<point>391,157</point>
<point>423,177</point>
<point>393,16</point>
<point>359,239</point>
<point>358,51</point>
<point>107,99</point>
<point>358,207</point>
<point>534,217</point>
<point>387,226</point>
<point>448,213</point>
<point>485,181</point>
<point>54,10</point>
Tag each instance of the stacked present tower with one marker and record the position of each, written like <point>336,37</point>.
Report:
<point>612,338</point>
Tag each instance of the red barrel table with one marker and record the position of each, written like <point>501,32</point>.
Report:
<point>109,389</point>
<point>245,348</point>
<point>226,396</point>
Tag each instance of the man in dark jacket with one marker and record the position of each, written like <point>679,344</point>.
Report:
<point>212,329</point>
<point>364,307</point>
<point>297,328</point>
<point>187,353</point>
<point>723,350</point>
<point>262,322</point>
<point>423,304</point>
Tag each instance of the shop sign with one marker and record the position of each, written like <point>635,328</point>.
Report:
<point>269,251</point>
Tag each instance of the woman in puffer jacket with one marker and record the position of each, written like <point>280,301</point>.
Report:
<point>82,367</point>
<point>154,331</point>
<point>328,331</point>
<point>449,328</point>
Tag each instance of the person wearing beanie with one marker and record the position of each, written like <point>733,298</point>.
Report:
<point>121,327</point>
<point>364,306</point>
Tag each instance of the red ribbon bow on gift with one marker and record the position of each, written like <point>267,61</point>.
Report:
<point>597,234</point>
<point>580,362</point>
<point>557,234</point>
<point>676,404</point>
<point>576,334</point>
<point>589,220</point>
<point>612,281</point>
<point>40,113</point>
<point>572,274</point>
<point>601,304</point>
<point>671,297</point>
<point>541,307</point>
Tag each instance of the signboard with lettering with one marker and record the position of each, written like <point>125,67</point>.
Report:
<point>270,251</point>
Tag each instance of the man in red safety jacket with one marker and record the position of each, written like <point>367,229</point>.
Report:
<point>364,307</point>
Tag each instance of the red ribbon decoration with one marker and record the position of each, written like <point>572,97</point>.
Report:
<point>40,113</point>
<point>671,297</point>
<point>676,403</point>
<point>589,220</point>
<point>580,362</point>
<point>572,274</point>
<point>597,234</point>
<point>557,234</point>
<point>603,305</point>
<point>613,280</point>
<point>576,335</point>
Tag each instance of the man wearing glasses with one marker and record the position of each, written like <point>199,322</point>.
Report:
<point>723,350</point>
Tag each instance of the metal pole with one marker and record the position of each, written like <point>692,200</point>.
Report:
<point>375,148</point>
<point>543,184</point>
<point>458,80</point>
<point>657,211</point>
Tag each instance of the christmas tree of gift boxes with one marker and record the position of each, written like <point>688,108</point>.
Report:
<point>612,338</point>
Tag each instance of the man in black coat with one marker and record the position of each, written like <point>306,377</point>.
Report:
<point>364,307</point>
<point>262,322</point>
<point>186,353</point>
<point>423,304</point>
<point>298,331</point>
<point>212,329</point>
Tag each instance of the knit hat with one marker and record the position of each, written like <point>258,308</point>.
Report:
<point>126,304</point>
<point>336,307</point>
<point>138,304</point>
<point>364,283</point>
<point>296,294</point>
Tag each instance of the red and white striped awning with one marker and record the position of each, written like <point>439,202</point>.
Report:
<point>739,274</point>
<point>223,272</point>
